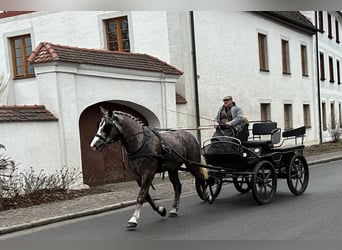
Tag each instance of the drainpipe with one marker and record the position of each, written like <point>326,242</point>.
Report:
<point>193,51</point>
<point>318,84</point>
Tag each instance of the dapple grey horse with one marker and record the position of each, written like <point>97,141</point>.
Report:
<point>149,152</point>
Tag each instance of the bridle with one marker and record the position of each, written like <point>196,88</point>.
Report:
<point>106,142</point>
<point>104,139</point>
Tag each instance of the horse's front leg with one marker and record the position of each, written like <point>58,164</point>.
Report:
<point>133,221</point>
<point>144,182</point>
<point>177,187</point>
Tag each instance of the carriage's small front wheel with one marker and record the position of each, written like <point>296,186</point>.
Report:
<point>298,175</point>
<point>264,182</point>
<point>203,188</point>
<point>242,184</point>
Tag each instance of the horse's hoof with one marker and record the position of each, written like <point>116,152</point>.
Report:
<point>210,199</point>
<point>162,211</point>
<point>173,214</point>
<point>131,226</point>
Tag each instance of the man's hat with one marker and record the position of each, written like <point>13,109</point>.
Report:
<point>228,97</point>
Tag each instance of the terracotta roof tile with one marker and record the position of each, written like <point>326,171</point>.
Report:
<point>180,99</point>
<point>25,113</point>
<point>48,52</point>
<point>6,14</point>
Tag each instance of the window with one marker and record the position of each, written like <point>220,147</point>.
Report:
<point>263,57</point>
<point>306,114</point>
<point>285,56</point>
<point>337,32</point>
<point>320,21</point>
<point>329,27</point>
<point>338,71</point>
<point>265,111</point>
<point>21,49</point>
<point>340,115</point>
<point>331,69</point>
<point>332,115</point>
<point>321,65</point>
<point>324,116</point>
<point>287,116</point>
<point>304,57</point>
<point>117,34</point>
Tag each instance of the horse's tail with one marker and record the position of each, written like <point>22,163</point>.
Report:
<point>203,171</point>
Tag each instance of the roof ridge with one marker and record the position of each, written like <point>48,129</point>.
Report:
<point>37,106</point>
<point>49,52</point>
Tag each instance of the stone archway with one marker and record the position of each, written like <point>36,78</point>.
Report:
<point>108,166</point>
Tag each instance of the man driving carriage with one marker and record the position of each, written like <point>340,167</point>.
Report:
<point>230,120</point>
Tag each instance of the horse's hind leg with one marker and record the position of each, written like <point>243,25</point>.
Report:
<point>177,187</point>
<point>160,210</point>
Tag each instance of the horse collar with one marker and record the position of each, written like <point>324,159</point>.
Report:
<point>143,150</point>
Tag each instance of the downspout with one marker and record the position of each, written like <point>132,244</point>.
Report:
<point>194,61</point>
<point>318,84</point>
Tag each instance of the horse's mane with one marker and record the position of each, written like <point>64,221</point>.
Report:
<point>129,116</point>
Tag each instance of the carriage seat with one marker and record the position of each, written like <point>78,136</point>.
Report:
<point>292,134</point>
<point>259,131</point>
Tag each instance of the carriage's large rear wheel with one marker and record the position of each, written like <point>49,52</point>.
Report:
<point>203,188</point>
<point>264,182</point>
<point>298,175</point>
<point>242,184</point>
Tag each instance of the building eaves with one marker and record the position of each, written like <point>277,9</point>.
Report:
<point>48,52</point>
<point>25,113</point>
<point>6,14</point>
<point>293,19</point>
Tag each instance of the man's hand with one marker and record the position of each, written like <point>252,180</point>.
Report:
<point>229,124</point>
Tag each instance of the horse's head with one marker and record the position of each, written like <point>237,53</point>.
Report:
<point>108,130</point>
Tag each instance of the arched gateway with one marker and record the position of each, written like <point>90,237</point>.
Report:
<point>108,166</point>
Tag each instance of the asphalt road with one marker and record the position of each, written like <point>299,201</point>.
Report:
<point>313,215</point>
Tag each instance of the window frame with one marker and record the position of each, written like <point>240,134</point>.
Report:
<point>118,34</point>
<point>330,36</point>
<point>304,60</point>
<point>288,120</point>
<point>324,116</point>
<point>321,66</point>
<point>338,72</point>
<point>340,114</point>
<point>332,115</point>
<point>331,70</point>
<point>285,52</point>
<point>337,31</point>
<point>307,115</point>
<point>265,111</point>
<point>320,22</point>
<point>24,56</point>
<point>263,52</point>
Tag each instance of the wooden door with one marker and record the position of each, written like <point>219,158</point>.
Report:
<point>109,165</point>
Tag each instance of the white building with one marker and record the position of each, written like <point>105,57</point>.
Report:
<point>73,82</point>
<point>328,68</point>
<point>263,59</point>
<point>257,58</point>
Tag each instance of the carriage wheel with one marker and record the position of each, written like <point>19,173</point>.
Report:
<point>298,175</point>
<point>242,184</point>
<point>264,182</point>
<point>215,184</point>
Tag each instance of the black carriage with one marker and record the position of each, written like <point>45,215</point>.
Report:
<point>257,163</point>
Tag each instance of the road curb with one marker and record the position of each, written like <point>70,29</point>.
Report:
<point>75,215</point>
<point>324,160</point>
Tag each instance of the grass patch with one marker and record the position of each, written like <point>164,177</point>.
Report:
<point>323,148</point>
